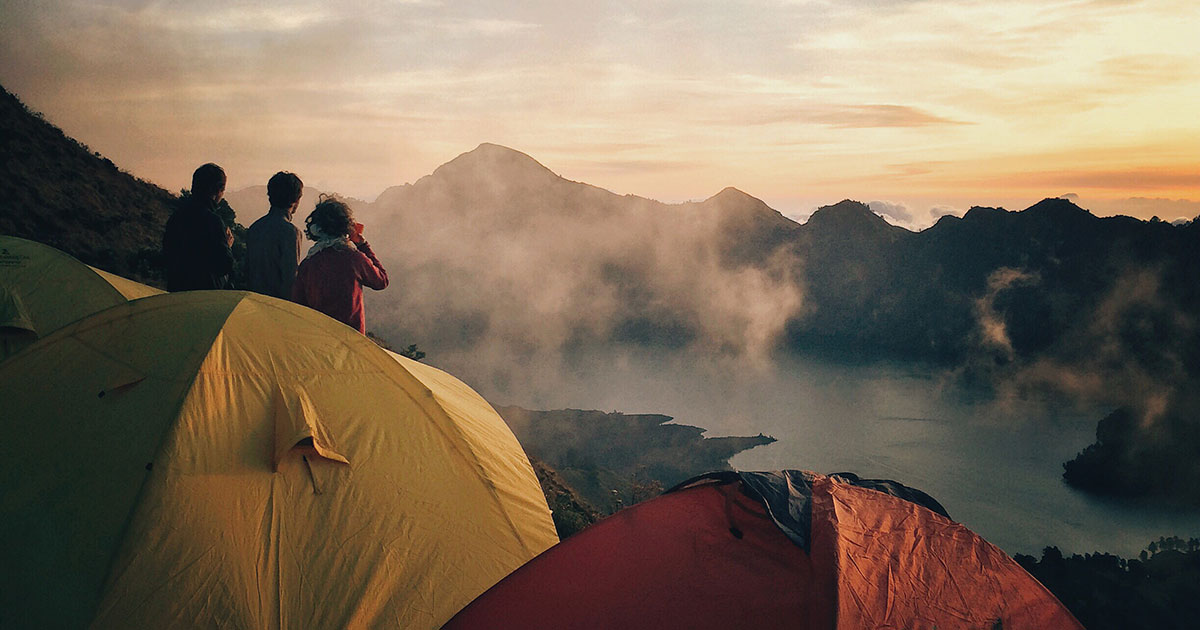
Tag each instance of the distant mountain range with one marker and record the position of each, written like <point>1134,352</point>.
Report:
<point>847,285</point>
<point>252,202</point>
<point>498,262</point>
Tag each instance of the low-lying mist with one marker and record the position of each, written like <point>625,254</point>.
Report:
<point>546,292</point>
<point>525,283</point>
<point>971,359</point>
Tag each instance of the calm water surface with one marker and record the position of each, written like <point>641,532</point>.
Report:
<point>997,468</point>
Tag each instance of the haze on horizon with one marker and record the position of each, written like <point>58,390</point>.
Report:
<point>920,107</point>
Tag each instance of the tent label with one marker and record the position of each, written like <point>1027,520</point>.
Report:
<point>8,259</point>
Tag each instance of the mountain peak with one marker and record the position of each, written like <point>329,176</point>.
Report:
<point>729,193</point>
<point>490,155</point>
<point>1057,206</point>
<point>845,211</point>
<point>747,211</point>
<point>850,218</point>
<point>490,148</point>
<point>733,200</point>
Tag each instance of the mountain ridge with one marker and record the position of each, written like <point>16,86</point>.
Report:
<point>59,192</point>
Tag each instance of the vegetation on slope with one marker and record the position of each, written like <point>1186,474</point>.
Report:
<point>1138,457</point>
<point>614,460</point>
<point>571,512</point>
<point>1160,590</point>
<point>58,192</point>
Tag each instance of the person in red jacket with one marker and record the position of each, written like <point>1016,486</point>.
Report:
<point>339,264</point>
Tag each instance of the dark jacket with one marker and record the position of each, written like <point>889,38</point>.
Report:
<point>195,252</point>
<point>272,254</point>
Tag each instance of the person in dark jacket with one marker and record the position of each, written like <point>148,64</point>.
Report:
<point>196,243</point>
<point>273,243</point>
<point>338,265</point>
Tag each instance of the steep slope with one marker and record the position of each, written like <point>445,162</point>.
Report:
<point>851,260</point>
<point>750,232</point>
<point>56,191</point>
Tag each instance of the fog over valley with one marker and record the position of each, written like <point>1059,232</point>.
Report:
<point>946,245</point>
<point>499,262</point>
<point>548,293</point>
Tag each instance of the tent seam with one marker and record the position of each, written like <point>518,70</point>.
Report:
<point>108,573</point>
<point>446,427</point>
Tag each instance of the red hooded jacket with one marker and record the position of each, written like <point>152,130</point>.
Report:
<point>332,279</point>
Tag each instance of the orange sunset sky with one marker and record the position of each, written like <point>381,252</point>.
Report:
<point>920,107</point>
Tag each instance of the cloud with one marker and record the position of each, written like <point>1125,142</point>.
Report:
<point>620,166</point>
<point>840,116</point>
<point>937,212</point>
<point>236,19</point>
<point>394,87</point>
<point>898,212</point>
<point>1106,360</point>
<point>881,116</point>
<point>1141,71</point>
<point>1144,207</point>
<point>1145,178</point>
<point>478,27</point>
<point>520,267</point>
<point>992,329</point>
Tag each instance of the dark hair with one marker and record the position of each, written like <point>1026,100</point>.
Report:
<point>208,181</point>
<point>284,189</point>
<point>332,216</point>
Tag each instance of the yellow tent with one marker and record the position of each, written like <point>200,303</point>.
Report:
<point>226,459</point>
<point>43,289</point>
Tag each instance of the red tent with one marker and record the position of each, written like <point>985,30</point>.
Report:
<point>772,550</point>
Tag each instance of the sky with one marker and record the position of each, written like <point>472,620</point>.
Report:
<point>921,108</point>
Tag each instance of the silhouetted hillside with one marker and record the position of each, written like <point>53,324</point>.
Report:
<point>750,231</point>
<point>505,261</point>
<point>1159,590</point>
<point>501,262</point>
<point>1004,285</point>
<point>1143,457</point>
<point>993,286</point>
<point>851,261</point>
<point>56,191</point>
<point>570,511</point>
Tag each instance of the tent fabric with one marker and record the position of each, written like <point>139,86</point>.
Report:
<point>894,488</point>
<point>128,289</point>
<point>787,495</point>
<point>671,562</point>
<point>227,459</point>
<point>900,565</point>
<point>43,289</point>
<point>710,555</point>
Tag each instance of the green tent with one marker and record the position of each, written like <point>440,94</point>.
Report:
<point>43,289</point>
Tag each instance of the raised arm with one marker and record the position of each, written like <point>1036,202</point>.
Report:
<point>370,272</point>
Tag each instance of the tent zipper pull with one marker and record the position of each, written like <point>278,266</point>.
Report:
<point>313,477</point>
